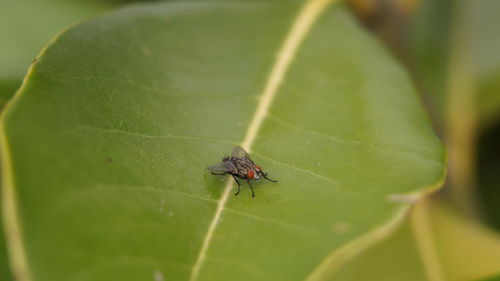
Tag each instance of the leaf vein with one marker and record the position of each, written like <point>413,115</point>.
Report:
<point>308,14</point>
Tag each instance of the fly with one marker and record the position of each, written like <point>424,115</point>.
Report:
<point>240,166</point>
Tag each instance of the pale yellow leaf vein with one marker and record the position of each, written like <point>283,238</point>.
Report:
<point>422,230</point>
<point>305,19</point>
<point>13,232</point>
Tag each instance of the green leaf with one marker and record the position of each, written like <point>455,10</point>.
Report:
<point>5,271</point>
<point>481,19</point>
<point>105,147</point>
<point>437,244</point>
<point>429,47</point>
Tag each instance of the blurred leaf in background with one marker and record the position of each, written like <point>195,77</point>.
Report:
<point>488,108</point>
<point>427,54</point>
<point>466,92</point>
<point>491,278</point>
<point>474,59</point>
<point>436,244</point>
<point>488,174</point>
<point>27,25</point>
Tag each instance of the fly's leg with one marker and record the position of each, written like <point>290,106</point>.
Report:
<point>265,176</point>
<point>237,192</point>
<point>251,188</point>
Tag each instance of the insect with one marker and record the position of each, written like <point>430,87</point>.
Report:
<point>240,165</point>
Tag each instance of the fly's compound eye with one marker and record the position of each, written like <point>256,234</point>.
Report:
<point>250,174</point>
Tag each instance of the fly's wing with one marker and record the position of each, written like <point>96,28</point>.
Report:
<point>217,168</point>
<point>240,152</point>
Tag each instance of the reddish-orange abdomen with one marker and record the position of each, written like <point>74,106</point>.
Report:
<point>250,174</point>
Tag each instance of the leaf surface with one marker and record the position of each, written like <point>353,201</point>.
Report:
<point>105,147</point>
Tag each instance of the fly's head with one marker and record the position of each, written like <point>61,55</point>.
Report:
<point>258,172</point>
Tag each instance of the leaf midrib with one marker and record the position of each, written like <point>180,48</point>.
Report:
<point>305,19</point>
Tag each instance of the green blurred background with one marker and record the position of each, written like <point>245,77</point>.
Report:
<point>451,49</point>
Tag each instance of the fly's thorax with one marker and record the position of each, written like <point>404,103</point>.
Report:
<point>244,167</point>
